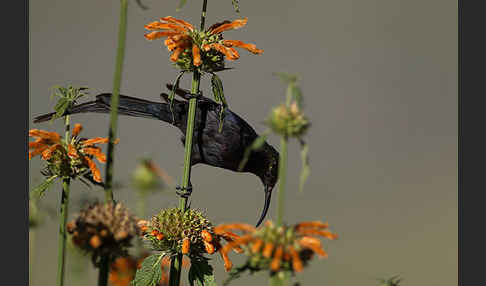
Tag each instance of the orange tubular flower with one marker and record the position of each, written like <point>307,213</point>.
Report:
<point>68,159</point>
<point>193,47</point>
<point>186,243</point>
<point>278,248</point>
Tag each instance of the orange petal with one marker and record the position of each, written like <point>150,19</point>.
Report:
<point>37,151</point>
<point>277,259</point>
<point>77,129</point>
<point>94,170</point>
<point>238,23</point>
<point>186,243</point>
<point>37,144</point>
<point>242,240</point>
<point>160,236</point>
<point>235,43</point>
<point>196,56</point>
<point>223,228</point>
<point>267,250</point>
<point>206,47</point>
<point>47,154</point>
<point>230,54</point>
<point>176,53</point>
<point>95,241</point>
<point>311,224</point>
<point>209,247</point>
<point>95,151</point>
<point>227,262</point>
<point>156,35</point>
<point>52,136</point>
<point>72,152</point>
<point>296,262</point>
<point>206,236</point>
<point>156,25</point>
<point>323,233</point>
<point>313,244</point>
<point>257,245</point>
<point>171,19</point>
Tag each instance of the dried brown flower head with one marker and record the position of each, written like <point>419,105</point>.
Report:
<point>104,229</point>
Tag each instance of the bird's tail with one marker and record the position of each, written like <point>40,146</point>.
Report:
<point>128,105</point>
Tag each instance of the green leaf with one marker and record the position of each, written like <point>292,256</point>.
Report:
<point>305,171</point>
<point>218,93</point>
<point>201,273</point>
<point>150,272</point>
<point>181,4</point>
<point>61,107</point>
<point>257,144</point>
<point>175,86</point>
<point>39,191</point>
<point>236,5</point>
<point>296,94</point>
<point>393,281</point>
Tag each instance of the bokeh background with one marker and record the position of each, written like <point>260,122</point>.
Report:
<point>380,83</point>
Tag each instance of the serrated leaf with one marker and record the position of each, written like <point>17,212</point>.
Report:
<point>218,93</point>
<point>255,145</point>
<point>39,191</point>
<point>201,273</point>
<point>61,106</point>
<point>305,170</point>
<point>150,272</point>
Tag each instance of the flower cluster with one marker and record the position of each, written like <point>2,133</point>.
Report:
<point>288,121</point>
<point>193,49</point>
<point>190,233</point>
<point>104,229</point>
<point>123,269</point>
<point>284,248</point>
<point>68,159</point>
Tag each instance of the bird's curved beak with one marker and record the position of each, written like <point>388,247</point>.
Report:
<point>268,195</point>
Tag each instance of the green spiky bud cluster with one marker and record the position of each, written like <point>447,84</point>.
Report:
<point>104,229</point>
<point>288,121</point>
<point>168,230</point>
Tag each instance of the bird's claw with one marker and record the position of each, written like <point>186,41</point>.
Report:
<point>184,192</point>
<point>193,95</point>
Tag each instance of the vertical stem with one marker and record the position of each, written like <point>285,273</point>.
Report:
<point>104,270</point>
<point>32,256</point>
<point>176,264</point>
<point>282,177</point>
<point>122,32</point>
<point>61,258</point>
<point>62,232</point>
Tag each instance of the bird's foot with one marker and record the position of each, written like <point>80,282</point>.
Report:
<point>184,192</point>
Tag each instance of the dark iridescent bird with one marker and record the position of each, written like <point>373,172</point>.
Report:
<point>223,149</point>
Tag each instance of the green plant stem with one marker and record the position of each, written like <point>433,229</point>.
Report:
<point>176,264</point>
<point>104,270</point>
<point>61,258</point>
<point>282,177</point>
<point>122,32</point>
<point>32,257</point>
<point>62,231</point>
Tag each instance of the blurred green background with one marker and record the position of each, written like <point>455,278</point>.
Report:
<point>380,82</point>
